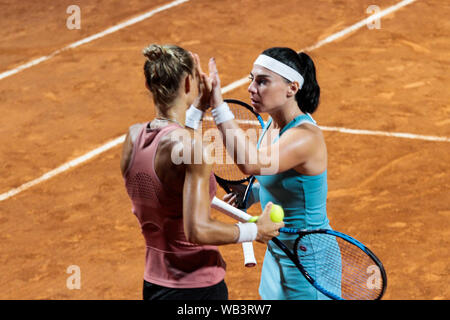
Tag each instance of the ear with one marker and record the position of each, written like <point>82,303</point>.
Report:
<point>187,84</point>
<point>292,89</point>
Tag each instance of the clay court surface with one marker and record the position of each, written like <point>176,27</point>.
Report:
<point>391,193</point>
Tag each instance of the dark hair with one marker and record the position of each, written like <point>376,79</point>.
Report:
<point>163,70</point>
<point>308,97</point>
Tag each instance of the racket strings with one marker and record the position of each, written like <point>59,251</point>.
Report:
<point>224,165</point>
<point>340,267</point>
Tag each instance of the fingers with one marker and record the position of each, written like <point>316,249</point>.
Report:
<point>267,229</point>
<point>209,87</point>
<point>230,198</point>
<point>212,66</point>
<point>278,226</point>
<point>267,209</point>
<point>204,79</point>
<point>207,82</point>
<point>227,197</point>
<point>196,59</point>
<point>198,67</point>
<point>271,233</point>
<point>213,72</point>
<point>197,62</point>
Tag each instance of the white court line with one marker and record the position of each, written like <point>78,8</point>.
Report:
<point>64,167</point>
<point>92,38</point>
<point>335,36</point>
<point>360,24</point>
<point>226,89</point>
<point>403,135</point>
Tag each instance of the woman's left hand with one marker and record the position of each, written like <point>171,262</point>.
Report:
<point>204,90</point>
<point>216,94</point>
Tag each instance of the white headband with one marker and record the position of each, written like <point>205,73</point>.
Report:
<point>280,68</point>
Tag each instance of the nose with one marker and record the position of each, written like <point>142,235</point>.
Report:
<point>251,88</point>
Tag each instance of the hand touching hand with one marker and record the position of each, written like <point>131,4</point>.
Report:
<point>216,93</point>
<point>204,91</point>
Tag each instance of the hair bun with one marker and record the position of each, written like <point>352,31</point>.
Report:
<point>164,68</point>
<point>154,52</point>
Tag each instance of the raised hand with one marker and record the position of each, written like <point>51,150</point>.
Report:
<point>202,101</point>
<point>216,93</point>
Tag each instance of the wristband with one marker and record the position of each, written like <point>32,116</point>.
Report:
<point>247,232</point>
<point>222,113</point>
<point>193,117</point>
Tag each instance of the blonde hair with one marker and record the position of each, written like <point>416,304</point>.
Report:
<point>164,69</point>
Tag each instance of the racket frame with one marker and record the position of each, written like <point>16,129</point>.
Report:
<point>243,216</point>
<point>250,179</point>
<point>295,259</point>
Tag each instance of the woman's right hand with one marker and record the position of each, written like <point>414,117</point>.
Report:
<point>216,93</point>
<point>230,198</point>
<point>236,196</point>
<point>267,229</point>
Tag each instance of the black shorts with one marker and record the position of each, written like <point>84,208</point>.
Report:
<point>153,291</point>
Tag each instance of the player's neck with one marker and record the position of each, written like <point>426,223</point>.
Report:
<point>176,113</point>
<point>285,114</point>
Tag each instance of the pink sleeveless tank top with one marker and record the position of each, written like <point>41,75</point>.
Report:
<point>171,261</point>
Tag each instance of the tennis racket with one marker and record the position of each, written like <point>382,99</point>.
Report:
<point>337,265</point>
<point>227,173</point>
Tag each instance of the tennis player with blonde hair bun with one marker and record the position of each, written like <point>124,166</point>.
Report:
<point>171,200</point>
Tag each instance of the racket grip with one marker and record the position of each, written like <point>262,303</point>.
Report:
<point>229,210</point>
<point>247,247</point>
<point>249,254</point>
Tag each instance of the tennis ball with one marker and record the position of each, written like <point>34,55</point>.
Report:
<point>276,213</point>
<point>253,219</point>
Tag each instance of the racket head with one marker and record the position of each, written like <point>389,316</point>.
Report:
<point>340,266</point>
<point>227,173</point>
<point>241,115</point>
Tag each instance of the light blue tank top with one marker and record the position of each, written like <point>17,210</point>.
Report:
<point>302,197</point>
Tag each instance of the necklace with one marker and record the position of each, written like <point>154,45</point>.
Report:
<point>168,120</point>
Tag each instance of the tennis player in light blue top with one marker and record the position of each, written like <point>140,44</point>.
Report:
<point>291,160</point>
<point>303,198</point>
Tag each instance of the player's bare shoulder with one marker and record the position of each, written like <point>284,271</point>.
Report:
<point>127,149</point>
<point>134,130</point>
<point>310,132</point>
<point>175,147</point>
<point>186,147</point>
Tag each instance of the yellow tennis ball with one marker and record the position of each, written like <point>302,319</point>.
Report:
<point>254,219</point>
<point>276,213</point>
